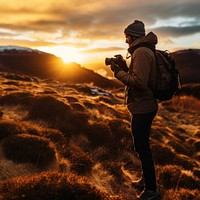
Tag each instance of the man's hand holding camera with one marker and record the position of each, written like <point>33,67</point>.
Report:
<point>117,64</point>
<point>115,68</point>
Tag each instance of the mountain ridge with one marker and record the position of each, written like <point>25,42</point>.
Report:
<point>187,62</point>
<point>44,65</point>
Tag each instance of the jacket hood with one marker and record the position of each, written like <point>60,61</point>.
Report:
<point>150,41</point>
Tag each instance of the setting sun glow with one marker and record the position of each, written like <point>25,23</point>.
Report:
<point>68,54</point>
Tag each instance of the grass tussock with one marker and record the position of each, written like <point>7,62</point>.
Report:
<point>108,110</point>
<point>191,90</point>
<point>196,172</point>
<point>78,107</point>
<point>197,145</point>
<point>172,176</point>
<point>180,194</point>
<point>119,129</point>
<point>87,134</point>
<point>58,114</point>
<point>114,168</point>
<point>160,152</point>
<point>8,127</point>
<point>186,103</point>
<point>16,98</point>
<point>51,186</point>
<point>180,147</point>
<point>29,148</point>
<point>48,108</point>
<point>81,162</point>
<point>53,135</point>
<point>169,176</point>
<point>186,162</point>
<point>99,134</point>
<point>171,157</point>
<point>188,181</point>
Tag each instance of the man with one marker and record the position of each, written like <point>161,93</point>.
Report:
<point>140,79</point>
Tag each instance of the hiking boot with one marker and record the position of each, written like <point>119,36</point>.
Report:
<point>139,184</point>
<point>149,195</point>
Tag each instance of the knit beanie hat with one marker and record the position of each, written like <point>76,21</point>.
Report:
<point>135,29</point>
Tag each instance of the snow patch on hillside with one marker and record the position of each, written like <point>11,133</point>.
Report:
<point>96,91</point>
<point>18,49</point>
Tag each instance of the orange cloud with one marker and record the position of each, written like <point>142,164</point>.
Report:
<point>84,25</point>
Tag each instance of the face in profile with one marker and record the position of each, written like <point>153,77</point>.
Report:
<point>129,39</point>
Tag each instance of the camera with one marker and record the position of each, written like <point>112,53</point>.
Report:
<point>116,59</point>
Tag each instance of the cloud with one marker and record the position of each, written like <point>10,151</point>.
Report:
<point>100,50</point>
<point>28,43</point>
<point>97,20</point>
<point>14,27</point>
<point>7,34</point>
<point>177,31</point>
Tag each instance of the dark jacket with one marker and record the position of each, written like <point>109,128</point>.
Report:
<point>141,77</point>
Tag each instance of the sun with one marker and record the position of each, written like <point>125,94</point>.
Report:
<point>67,54</point>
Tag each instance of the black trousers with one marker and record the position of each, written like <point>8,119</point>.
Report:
<point>141,127</point>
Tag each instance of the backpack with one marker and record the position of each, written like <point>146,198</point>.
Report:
<point>168,78</point>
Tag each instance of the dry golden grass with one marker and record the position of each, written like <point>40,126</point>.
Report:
<point>8,127</point>
<point>186,103</point>
<point>81,162</point>
<point>10,169</point>
<point>16,98</point>
<point>51,185</point>
<point>172,176</point>
<point>99,134</point>
<point>89,135</point>
<point>181,194</point>
<point>160,152</point>
<point>26,148</point>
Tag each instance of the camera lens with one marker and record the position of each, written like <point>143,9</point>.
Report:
<point>108,61</point>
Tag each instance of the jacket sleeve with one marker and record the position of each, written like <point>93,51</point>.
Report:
<point>139,76</point>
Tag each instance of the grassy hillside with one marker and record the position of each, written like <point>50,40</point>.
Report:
<point>187,62</point>
<point>73,141</point>
<point>48,66</point>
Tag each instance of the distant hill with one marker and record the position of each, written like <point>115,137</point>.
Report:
<point>44,65</point>
<point>188,63</point>
<point>28,61</point>
<point>191,89</point>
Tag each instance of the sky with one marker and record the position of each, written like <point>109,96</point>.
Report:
<point>87,31</point>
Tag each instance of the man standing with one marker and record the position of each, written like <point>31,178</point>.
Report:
<point>140,79</point>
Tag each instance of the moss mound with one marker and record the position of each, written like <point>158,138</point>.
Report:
<point>18,98</point>
<point>172,176</point>
<point>81,163</point>
<point>10,128</point>
<point>48,108</point>
<point>51,186</point>
<point>58,114</point>
<point>28,148</point>
<point>181,194</point>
